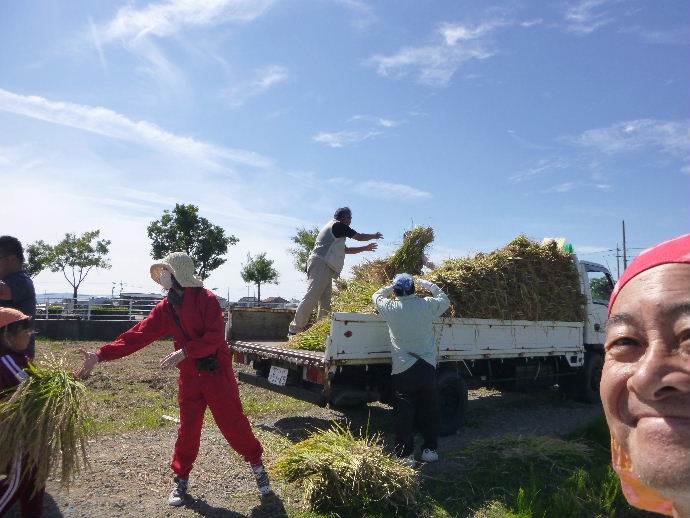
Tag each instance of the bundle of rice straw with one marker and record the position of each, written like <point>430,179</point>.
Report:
<point>46,419</point>
<point>339,471</point>
<point>354,296</point>
<point>524,280</point>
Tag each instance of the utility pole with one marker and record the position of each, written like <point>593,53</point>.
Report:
<point>618,262</point>
<point>625,249</point>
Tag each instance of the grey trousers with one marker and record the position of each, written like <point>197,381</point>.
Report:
<point>319,291</point>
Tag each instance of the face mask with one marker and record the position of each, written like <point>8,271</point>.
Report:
<point>165,279</point>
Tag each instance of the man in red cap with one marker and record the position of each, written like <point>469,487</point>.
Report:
<point>193,317</point>
<point>16,332</point>
<point>645,384</point>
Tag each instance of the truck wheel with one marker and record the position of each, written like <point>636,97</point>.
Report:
<point>594,363</point>
<point>452,401</point>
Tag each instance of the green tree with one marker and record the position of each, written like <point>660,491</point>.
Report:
<point>259,270</point>
<point>183,230</point>
<point>77,256</point>
<point>39,256</point>
<point>601,288</point>
<point>305,239</point>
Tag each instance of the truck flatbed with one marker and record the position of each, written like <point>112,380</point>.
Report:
<point>279,351</point>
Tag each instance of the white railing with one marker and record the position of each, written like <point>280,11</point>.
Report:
<point>95,309</point>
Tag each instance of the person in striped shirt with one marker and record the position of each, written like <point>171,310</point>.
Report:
<point>16,332</point>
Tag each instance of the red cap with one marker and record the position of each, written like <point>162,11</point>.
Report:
<point>10,315</point>
<point>674,251</point>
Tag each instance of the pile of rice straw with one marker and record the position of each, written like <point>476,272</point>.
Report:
<point>46,418</point>
<point>524,280</point>
<point>338,471</point>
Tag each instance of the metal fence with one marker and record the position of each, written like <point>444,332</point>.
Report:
<point>95,309</point>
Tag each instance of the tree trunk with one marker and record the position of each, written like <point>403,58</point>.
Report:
<point>74,295</point>
<point>258,291</point>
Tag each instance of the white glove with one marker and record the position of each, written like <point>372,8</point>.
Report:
<point>423,283</point>
<point>172,359</point>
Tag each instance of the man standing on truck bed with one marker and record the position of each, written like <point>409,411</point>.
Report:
<point>325,264</point>
<point>410,320</point>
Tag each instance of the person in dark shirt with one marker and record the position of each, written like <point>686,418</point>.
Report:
<point>326,262</point>
<point>16,287</point>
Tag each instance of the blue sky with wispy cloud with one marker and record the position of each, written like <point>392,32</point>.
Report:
<point>484,120</point>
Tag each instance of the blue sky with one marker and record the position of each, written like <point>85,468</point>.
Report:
<point>482,119</point>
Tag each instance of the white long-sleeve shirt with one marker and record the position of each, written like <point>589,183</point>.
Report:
<point>410,322</point>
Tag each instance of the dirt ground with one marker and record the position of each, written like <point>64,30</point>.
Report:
<point>130,477</point>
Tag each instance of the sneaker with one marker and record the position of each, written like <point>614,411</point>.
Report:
<point>262,482</point>
<point>429,455</point>
<point>409,461</point>
<point>178,493</point>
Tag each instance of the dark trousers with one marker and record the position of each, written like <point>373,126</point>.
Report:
<point>15,487</point>
<point>415,401</point>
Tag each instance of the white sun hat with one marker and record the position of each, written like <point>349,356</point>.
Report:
<point>181,266</point>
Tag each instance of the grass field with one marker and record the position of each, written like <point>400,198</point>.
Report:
<point>504,476</point>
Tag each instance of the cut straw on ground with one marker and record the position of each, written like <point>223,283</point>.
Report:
<point>339,471</point>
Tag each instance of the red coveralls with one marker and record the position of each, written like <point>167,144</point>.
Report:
<point>202,321</point>
<point>14,487</point>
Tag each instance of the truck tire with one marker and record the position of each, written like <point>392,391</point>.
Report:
<point>591,376</point>
<point>452,401</point>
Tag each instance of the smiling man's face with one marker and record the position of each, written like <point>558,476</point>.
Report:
<point>645,386</point>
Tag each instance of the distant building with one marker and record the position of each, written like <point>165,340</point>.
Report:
<point>275,300</point>
<point>141,296</point>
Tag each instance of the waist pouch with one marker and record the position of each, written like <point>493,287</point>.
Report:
<point>208,363</point>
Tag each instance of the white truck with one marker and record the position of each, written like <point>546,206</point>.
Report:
<point>355,367</point>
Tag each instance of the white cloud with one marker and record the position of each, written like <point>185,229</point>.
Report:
<point>453,33</point>
<point>543,167</point>
<point>390,191</point>
<point>97,43</point>
<point>106,122</point>
<point>377,121</point>
<point>344,138</point>
<point>264,79</point>
<point>364,14</point>
<point>669,137</point>
<point>678,36</point>
<point>168,18</point>
<point>563,187</point>
<point>586,16</point>
<point>435,65</point>
<point>531,23</point>
<point>136,29</point>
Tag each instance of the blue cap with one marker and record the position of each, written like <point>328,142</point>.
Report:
<point>403,282</point>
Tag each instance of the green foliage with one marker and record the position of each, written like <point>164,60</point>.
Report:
<point>259,270</point>
<point>183,230</point>
<point>601,288</point>
<point>305,239</point>
<point>39,255</point>
<point>75,256</point>
<point>46,418</point>
<point>341,472</point>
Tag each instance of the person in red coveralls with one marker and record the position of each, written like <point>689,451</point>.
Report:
<point>193,317</point>
<point>16,332</point>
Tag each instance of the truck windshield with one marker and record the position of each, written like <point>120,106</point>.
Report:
<point>601,286</point>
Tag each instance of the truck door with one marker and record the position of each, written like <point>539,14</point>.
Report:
<point>599,288</point>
